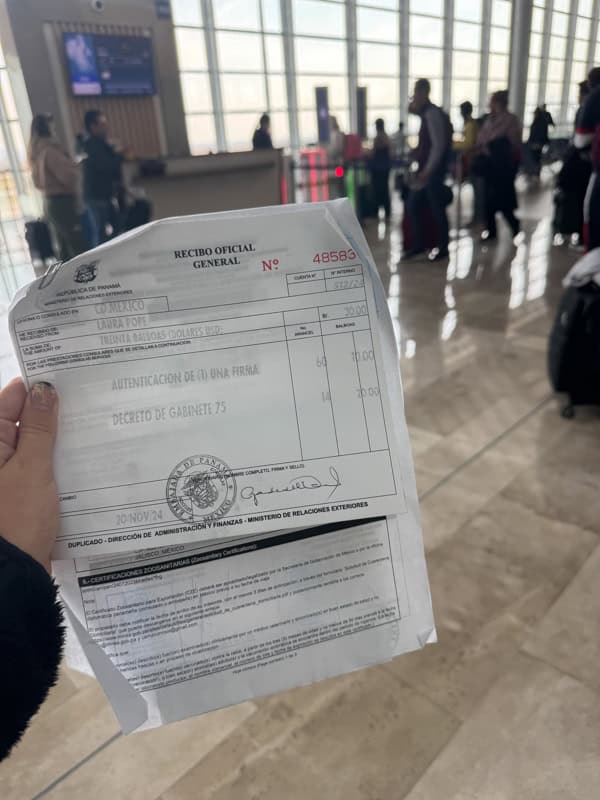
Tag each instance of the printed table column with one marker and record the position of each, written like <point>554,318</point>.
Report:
<point>314,414</point>
<point>346,393</point>
<point>369,382</point>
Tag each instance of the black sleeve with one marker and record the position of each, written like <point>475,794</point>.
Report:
<point>31,641</point>
<point>103,159</point>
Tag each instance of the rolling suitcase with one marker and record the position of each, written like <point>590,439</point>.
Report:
<point>39,241</point>
<point>569,196</point>
<point>568,213</point>
<point>574,347</point>
<point>366,203</point>
<point>430,238</point>
<point>138,213</point>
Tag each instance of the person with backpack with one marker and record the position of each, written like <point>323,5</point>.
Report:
<point>431,155</point>
<point>587,136</point>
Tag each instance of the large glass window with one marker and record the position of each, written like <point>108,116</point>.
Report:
<point>248,75</point>
<point>378,51</point>
<point>426,53</point>
<point>249,66</point>
<point>241,14</point>
<point>535,55</point>
<point>498,62</point>
<point>251,69</point>
<point>195,85</point>
<point>583,30</point>
<point>466,57</point>
<point>186,12</point>
<point>318,18</point>
<point>320,50</point>
<point>17,195</point>
<point>557,65</point>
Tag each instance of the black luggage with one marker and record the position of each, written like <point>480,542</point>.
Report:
<point>568,213</point>
<point>366,208</point>
<point>39,241</point>
<point>430,237</point>
<point>429,234</point>
<point>574,347</point>
<point>138,213</point>
<point>571,183</point>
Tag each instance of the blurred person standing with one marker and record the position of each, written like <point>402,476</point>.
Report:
<point>584,90</point>
<point>470,129</point>
<point>571,184</point>
<point>398,141</point>
<point>261,139</point>
<point>335,152</point>
<point>587,135</point>
<point>431,155</point>
<point>380,168</point>
<point>102,177</point>
<point>547,117</point>
<point>500,144</point>
<point>539,136</point>
<point>57,176</point>
<point>337,140</point>
<point>465,150</point>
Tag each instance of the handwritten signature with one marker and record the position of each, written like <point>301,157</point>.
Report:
<point>297,484</point>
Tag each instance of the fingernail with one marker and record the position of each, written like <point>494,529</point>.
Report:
<point>42,396</point>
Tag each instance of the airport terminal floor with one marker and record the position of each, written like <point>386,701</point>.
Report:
<point>507,704</point>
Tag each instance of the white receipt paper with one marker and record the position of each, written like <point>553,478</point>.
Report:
<point>219,375</point>
<point>238,504</point>
<point>172,634</point>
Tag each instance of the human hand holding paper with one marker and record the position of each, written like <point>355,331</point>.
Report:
<point>28,494</point>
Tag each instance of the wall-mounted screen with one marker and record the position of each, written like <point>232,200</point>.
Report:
<point>81,60</point>
<point>109,65</point>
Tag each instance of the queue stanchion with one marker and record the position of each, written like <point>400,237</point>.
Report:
<point>315,180</point>
<point>458,179</point>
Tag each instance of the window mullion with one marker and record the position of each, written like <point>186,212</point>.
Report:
<point>566,88</point>
<point>264,55</point>
<point>486,30</point>
<point>351,56</point>
<point>447,57</point>
<point>290,71</point>
<point>545,51</point>
<point>591,55</point>
<point>403,59</point>
<point>213,72</point>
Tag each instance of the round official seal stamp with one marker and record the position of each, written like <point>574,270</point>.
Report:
<point>201,488</point>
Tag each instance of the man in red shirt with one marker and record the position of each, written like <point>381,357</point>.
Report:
<point>587,135</point>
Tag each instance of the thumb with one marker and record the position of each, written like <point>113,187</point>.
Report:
<point>37,429</point>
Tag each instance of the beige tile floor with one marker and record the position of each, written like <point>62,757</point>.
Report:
<point>507,705</point>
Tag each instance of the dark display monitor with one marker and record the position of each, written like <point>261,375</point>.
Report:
<point>109,65</point>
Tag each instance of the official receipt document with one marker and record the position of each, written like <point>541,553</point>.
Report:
<point>220,375</point>
<point>238,504</point>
